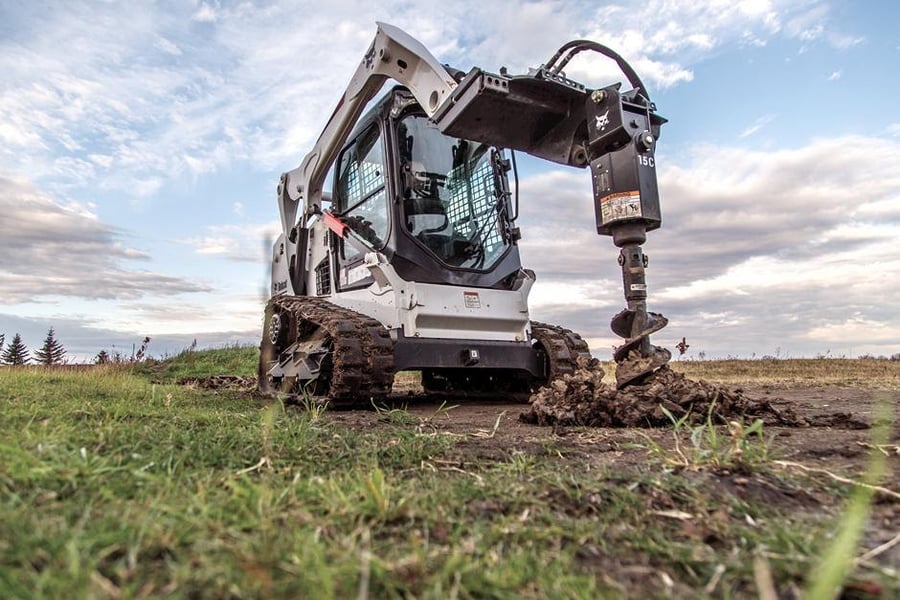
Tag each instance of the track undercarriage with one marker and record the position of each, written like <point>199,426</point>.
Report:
<point>346,358</point>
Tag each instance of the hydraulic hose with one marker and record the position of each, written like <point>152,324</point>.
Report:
<point>576,46</point>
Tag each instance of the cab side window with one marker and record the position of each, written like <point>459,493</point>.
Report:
<point>361,198</point>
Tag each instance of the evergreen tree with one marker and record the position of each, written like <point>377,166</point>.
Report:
<point>102,358</point>
<point>16,353</point>
<point>52,352</point>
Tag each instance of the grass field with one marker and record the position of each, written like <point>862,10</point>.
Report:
<point>112,486</point>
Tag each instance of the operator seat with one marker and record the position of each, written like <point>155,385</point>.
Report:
<point>426,215</point>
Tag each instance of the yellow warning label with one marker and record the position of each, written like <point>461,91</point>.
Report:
<point>621,205</point>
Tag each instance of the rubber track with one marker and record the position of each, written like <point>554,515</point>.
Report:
<point>563,347</point>
<point>362,351</point>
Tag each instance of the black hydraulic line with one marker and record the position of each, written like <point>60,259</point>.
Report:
<point>516,179</point>
<point>577,46</point>
<point>549,64</point>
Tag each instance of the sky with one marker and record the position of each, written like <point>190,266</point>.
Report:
<point>141,144</point>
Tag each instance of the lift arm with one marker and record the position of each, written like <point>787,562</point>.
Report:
<point>393,54</point>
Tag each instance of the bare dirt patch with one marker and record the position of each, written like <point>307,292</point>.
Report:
<point>494,430</point>
<point>589,422</point>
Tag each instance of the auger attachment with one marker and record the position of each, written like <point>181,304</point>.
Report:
<point>636,357</point>
<point>623,129</point>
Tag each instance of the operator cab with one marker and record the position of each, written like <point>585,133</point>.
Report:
<point>438,207</point>
<point>452,204</point>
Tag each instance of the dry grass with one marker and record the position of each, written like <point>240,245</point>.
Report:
<point>869,373</point>
<point>407,382</point>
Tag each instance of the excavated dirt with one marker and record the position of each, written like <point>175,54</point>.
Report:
<point>582,398</point>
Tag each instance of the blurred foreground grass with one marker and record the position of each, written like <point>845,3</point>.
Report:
<point>115,487</point>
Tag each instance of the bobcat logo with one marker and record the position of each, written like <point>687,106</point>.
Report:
<point>601,121</point>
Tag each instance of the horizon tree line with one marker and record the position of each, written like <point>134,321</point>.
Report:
<point>16,353</point>
<point>52,352</point>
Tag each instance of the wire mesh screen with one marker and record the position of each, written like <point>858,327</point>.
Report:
<point>363,180</point>
<point>471,208</point>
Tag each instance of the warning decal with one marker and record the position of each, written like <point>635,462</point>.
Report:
<point>472,300</point>
<point>622,205</point>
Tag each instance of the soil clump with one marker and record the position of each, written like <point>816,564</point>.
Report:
<point>582,398</point>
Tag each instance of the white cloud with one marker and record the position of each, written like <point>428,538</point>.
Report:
<point>842,41</point>
<point>168,46</point>
<point>753,242</point>
<point>53,250</point>
<point>152,97</point>
<point>141,188</point>
<point>856,327</point>
<point>247,243</point>
<point>809,24</point>
<point>205,14</point>
<point>814,24</point>
<point>101,160</point>
<point>663,39</point>
<point>819,273</point>
<point>234,313</point>
<point>756,125</point>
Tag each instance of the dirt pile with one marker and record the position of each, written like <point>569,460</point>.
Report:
<point>582,398</point>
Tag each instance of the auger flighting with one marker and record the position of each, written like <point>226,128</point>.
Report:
<point>637,356</point>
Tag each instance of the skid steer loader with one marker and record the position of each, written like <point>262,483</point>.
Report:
<point>410,260</point>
